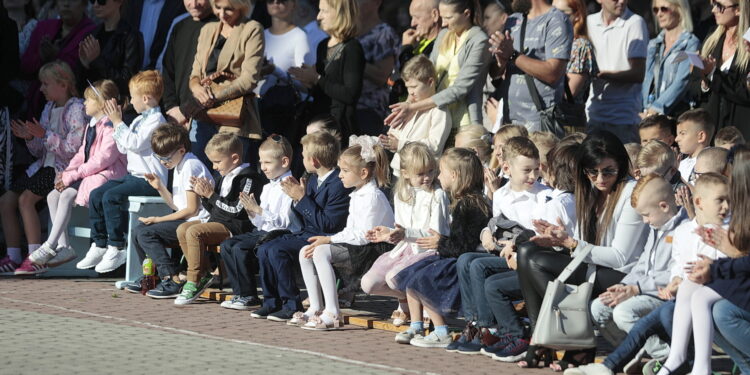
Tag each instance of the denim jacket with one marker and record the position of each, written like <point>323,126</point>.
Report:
<point>670,78</point>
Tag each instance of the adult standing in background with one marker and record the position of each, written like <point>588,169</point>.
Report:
<point>306,14</point>
<point>177,65</point>
<point>582,65</point>
<point>153,18</point>
<point>620,40</point>
<point>666,86</point>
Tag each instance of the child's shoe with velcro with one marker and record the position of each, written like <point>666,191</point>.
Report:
<point>406,336</point>
<point>43,254</point>
<point>433,340</point>
<point>64,255</point>
<point>166,289</point>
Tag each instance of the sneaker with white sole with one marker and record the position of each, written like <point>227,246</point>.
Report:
<point>191,291</point>
<point>241,303</point>
<point>29,268</point>
<point>405,337</point>
<point>433,340</point>
<point>112,259</point>
<point>92,258</point>
<point>64,255</point>
<point>8,266</point>
<point>590,369</point>
<point>43,254</point>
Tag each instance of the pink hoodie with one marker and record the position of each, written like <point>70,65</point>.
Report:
<point>105,162</point>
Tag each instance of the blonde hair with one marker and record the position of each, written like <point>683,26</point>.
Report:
<point>657,155</point>
<point>60,72</point>
<point>414,158</point>
<point>469,182</point>
<point>242,6</point>
<point>708,181</point>
<point>345,27</point>
<point>519,146</point>
<point>712,42</point>
<point>683,8</point>
<point>147,82</point>
<point>323,147</point>
<point>640,186</point>
<point>460,6</point>
<point>278,145</point>
<point>477,139</point>
<point>224,144</point>
<point>505,133</point>
<point>106,88</point>
<point>378,168</point>
<point>544,142</point>
<point>420,68</point>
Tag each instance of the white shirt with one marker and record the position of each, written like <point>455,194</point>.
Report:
<point>626,38</point>
<point>686,168</point>
<point>368,208</point>
<point>314,36</point>
<point>284,51</point>
<point>686,246</point>
<point>428,210</point>
<point>557,204</point>
<point>188,167</point>
<point>321,180</point>
<point>149,21</point>
<point>277,208</point>
<point>226,182</point>
<point>518,206</point>
<point>135,141</point>
<point>429,127</point>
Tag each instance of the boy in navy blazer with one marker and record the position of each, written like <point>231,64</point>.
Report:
<point>322,205</point>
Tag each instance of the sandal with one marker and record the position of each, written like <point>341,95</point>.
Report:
<point>316,323</point>
<point>299,319</point>
<point>399,318</point>
<point>536,355</point>
<point>574,358</point>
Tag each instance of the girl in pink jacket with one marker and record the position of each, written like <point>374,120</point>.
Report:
<point>96,162</point>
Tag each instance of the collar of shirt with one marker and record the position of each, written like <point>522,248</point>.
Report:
<point>619,22</point>
<point>278,180</point>
<point>517,195</point>
<point>234,172</point>
<point>150,111</point>
<point>321,180</point>
<point>366,189</point>
<point>179,165</point>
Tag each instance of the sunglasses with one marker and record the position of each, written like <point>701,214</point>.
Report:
<point>656,10</point>
<point>276,138</point>
<point>606,172</point>
<point>694,176</point>
<point>721,7</point>
<point>100,2</point>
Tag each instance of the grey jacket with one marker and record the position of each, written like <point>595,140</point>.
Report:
<point>474,59</point>
<point>653,267</point>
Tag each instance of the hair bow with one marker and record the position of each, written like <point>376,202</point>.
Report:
<point>367,144</point>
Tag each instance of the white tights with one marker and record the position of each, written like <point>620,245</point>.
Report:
<point>692,313</point>
<point>60,208</point>
<point>325,280</point>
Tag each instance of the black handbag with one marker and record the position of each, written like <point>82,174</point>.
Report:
<point>559,118</point>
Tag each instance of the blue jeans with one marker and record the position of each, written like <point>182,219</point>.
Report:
<point>732,332</point>
<point>657,322</point>
<point>108,209</point>
<point>200,134</point>
<point>501,290</point>
<point>153,240</point>
<point>473,270</point>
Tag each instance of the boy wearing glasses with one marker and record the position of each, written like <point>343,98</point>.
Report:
<point>108,204</point>
<point>171,146</point>
<point>695,129</point>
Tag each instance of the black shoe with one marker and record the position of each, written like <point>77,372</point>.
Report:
<point>133,286</point>
<point>263,312</point>
<point>166,289</point>
<point>281,315</point>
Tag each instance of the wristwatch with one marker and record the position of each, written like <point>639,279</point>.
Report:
<point>514,56</point>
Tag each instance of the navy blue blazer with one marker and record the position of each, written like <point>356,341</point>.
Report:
<point>323,211</point>
<point>730,278</point>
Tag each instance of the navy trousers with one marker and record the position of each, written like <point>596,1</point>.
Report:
<point>278,261</point>
<point>238,254</point>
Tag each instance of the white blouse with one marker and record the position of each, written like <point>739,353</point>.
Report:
<point>368,208</point>
<point>428,210</point>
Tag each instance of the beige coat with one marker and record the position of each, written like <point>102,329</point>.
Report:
<point>242,55</point>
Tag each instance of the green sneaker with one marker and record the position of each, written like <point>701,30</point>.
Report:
<point>191,291</point>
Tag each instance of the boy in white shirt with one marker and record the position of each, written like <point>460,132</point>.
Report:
<point>171,145</point>
<point>108,204</point>
<point>274,213</point>
<point>695,128</point>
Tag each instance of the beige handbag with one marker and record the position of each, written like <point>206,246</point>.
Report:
<point>564,320</point>
<point>229,112</point>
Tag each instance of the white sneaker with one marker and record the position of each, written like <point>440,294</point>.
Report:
<point>64,255</point>
<point>590,369</point>
<point>42,255</point>
<point>406,336</point>
<point>112,259</point>
<point>92,258</point>
<point>433,340</point>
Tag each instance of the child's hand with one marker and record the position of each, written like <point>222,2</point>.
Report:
<point>19,130</point>
<point>700,271</point>
<point>397,235</point>
<point>513,261</point>
<point>389,141</point>
<point>315,241</point>
<point>149,220</point>
<point>488,242</point>
<point>616,294</point>
<point>293,188</point>
<point>201,186</point>
<point>430,242</point>
<point>670,291</point>
<point>59,186</point>
<point>35,129</point>
<point>508,249</point>
<point>378,234</point>
<point>154,181</point>
<point>491,180</point>
<point>490,108</point>
<point>250,204</point>
<point>113,111</point>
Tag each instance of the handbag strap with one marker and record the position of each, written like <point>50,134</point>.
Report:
<point>573,265</point>
<point>529,79</point>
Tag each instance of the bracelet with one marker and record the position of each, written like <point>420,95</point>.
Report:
<point>514,56</point>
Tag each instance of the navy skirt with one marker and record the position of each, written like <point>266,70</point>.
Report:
<point>435,281</point>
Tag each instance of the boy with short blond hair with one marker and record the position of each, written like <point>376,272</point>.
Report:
<point>322,205</point>
<point>544,142</point>
<point>657,157</point>
<point>695,129</point>
<point>728,137</point>
<point>108,213</point>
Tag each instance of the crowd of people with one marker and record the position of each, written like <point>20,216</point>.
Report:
<point>459,168</point>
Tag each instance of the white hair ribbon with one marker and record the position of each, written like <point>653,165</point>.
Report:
<point>367,144</point>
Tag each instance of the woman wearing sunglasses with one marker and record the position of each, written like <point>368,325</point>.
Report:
<point>114,50</point>
<point>665,87</point>
<point>727,64</point>
<point>604,219</point>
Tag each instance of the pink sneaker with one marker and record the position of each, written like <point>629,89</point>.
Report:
<point>8,267</point>
<point>29,268</point>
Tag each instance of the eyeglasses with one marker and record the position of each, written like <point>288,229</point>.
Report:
<point>165,159</point>
<point>656,10</point>
<point>606,172</point>
<point>100,2</point>
<point>721,7</point>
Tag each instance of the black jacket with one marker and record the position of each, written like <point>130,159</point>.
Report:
<point>178,61</point>
<point>132,12</point>
<point>467,223</point>
<point>120,58</point>
<point>229,210</point>
<point>728,101</point>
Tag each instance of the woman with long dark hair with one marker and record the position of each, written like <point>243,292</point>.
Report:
<point>604,219</point>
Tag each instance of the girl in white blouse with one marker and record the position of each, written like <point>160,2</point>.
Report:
<point>420,207</point>
<point>364,167</point>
